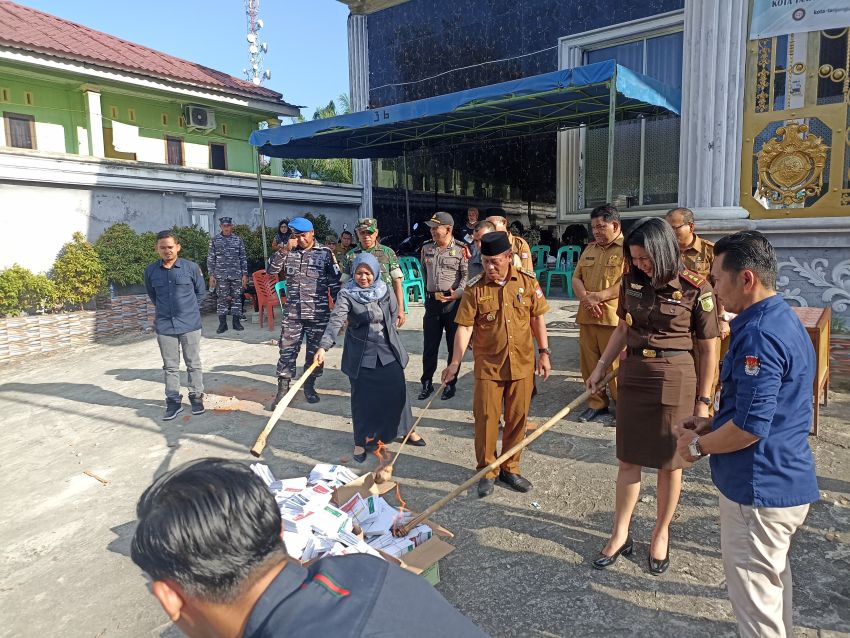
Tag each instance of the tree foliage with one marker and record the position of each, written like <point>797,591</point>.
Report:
<point>23,291</point>
<point>325,170</point>
<point>78,273</point>
<point>125,253</point>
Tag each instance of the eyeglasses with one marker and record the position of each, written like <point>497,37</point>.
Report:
<point>600,226</point>
<point>682,225</point>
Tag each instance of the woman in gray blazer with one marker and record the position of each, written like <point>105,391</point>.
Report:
<point>373,357</point>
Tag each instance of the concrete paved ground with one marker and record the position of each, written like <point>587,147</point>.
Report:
<point>519,569</point>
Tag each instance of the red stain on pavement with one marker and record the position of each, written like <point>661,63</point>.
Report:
<point>186,419</point>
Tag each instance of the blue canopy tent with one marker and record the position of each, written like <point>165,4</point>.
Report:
<point>593,95</point>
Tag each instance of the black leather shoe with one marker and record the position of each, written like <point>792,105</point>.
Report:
<point>515,481</point>
<point>359,457</point>
<point>591,414</point>
<point>427,390</point>
<point>237,324</point>
<point>222,324</point>
<point>448,392</point>
<point>310,393</point>
<point>625,549</point>
<point>485,487</point>
<point>658,567</point>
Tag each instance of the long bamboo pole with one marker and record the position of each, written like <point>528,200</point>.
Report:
<point>584,396</point>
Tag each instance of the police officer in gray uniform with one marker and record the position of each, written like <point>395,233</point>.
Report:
<point>311,272</point>
<point>444,270</point>
<point>227,264</point>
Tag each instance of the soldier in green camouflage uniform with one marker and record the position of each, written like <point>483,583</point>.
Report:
<point>367,236</point>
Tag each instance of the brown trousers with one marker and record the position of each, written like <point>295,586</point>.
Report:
<point>488,397</point>
<point>592,341</point>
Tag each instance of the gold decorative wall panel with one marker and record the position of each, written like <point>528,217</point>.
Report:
<point>796,146</point>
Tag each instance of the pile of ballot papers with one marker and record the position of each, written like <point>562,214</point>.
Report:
<point>315,526</point>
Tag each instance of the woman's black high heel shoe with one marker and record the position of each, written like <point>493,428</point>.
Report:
<point>657,567</point>
<point>625,549</point>
<point>359,457</point>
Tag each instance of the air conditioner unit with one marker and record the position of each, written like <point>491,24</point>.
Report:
<point>200,118</point>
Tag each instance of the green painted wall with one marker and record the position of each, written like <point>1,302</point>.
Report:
<point>52,103</point>
<point>62,102</point>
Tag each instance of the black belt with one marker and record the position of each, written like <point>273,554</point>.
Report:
<point>651,353</point>
<point>433,295</point>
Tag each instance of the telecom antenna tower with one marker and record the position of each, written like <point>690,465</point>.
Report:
<point>255,73</point>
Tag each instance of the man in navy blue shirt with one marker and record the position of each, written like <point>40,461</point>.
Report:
<point>176,287</point>
<point>758,441</point>
<point>209,540</point>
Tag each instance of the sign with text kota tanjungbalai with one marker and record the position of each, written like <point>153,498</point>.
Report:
<point>780,17</point>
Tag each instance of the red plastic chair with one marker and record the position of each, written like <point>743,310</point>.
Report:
<point>266,296</point>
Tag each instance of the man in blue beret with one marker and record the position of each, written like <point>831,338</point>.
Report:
<point>312,278</point>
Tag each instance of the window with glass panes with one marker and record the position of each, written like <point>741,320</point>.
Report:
<point>646,151</point>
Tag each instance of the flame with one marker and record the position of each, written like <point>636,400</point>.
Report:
<point>402,506</point>
<point>382,453</point>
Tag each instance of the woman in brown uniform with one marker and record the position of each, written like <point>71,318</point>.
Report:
<point>665,311</point>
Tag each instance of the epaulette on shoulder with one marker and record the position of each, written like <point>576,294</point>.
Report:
<point>530,273</point>
<point>696,280</point>
<point>474,280</point>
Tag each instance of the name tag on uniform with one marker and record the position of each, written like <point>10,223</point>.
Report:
<point>634,293</point>
<point>487,298</point>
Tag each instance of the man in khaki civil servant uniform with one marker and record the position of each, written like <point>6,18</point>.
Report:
<point>519,247</point>
<point>596,282</point>
<point>505,306</point>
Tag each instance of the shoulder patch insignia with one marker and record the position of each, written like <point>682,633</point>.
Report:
<point>752,365</point>
<point>530,273</point>
<point>706,301</point>
<point>696,280</point>
<point>474,280</point>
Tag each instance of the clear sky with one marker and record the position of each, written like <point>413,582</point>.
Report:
<point>308,46</point>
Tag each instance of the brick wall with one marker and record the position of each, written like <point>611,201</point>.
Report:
<point>24,336</point>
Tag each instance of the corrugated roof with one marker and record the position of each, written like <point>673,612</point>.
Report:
<point>25,28</point>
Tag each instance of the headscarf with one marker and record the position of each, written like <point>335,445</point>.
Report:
<point>374,292</point>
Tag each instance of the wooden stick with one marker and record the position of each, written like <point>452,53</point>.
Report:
<point>415,423</point>
<point>421,414</point>
<point>96,477</point>
<point>260,444</point>
<point>584,396</point>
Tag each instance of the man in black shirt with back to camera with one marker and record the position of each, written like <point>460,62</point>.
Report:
<point>209,539</point>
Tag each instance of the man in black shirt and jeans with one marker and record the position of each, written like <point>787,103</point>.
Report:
<point>176,287</point>
<point>209,539</point>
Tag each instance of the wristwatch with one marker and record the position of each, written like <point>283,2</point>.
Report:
<point>694,449</point>
<point>544,351</point>
<point>706,400</point>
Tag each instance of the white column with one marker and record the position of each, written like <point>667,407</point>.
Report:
<point>358,84</point>
<point>95,123</point>
<point>715,42</point>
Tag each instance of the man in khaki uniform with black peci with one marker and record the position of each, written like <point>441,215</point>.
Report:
<point>596,283</point>
<point>505,306</point>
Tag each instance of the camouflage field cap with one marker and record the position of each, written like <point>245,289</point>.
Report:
<point>369,224</point>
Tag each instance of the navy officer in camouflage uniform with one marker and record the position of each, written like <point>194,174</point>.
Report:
<point>311,272</point>
<point>227,264</point>
<point>367,236</point>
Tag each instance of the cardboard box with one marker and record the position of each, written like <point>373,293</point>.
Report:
<point>364,485</point>
<point>425,560</point>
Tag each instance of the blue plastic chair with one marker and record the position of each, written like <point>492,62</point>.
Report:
<point>281,285</point>
<point>413,280</point>
<point>564,266</point>
<point>540,254</point>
